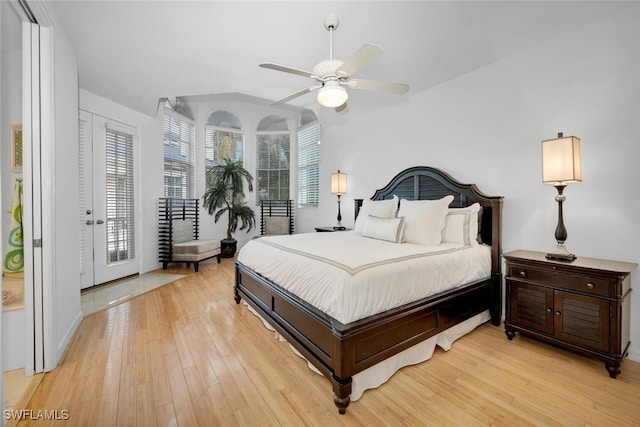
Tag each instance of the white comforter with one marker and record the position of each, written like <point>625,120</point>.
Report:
<point>351,277</point>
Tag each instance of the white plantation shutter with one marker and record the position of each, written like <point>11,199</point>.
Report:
<point>179,155</point>
<point>308,164</point>
<point>120,218</point>
<point>272,171</point>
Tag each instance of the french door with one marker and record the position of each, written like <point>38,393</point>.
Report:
<point>107,219</point>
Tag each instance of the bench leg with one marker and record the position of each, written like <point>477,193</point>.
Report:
<point>164,265</point>
<point>218,257</point>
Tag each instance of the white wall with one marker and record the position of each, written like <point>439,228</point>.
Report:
<point>486,127</point>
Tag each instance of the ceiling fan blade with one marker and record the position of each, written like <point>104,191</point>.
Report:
<point>286,69</point>
<point>366,53</point>
<point>295,95</point>
<point>397,88</point>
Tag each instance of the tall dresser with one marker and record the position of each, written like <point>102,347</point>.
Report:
<point>582,306</point>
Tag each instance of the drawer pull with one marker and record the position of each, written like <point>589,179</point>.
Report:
<point>557,313</point>
<point>590,285</point>
<point>548,310</point>
<point>523,273</point>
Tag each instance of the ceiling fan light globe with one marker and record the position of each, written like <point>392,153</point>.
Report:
<point>332,95</point>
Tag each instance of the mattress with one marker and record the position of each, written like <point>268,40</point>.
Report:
<point>350,277</point>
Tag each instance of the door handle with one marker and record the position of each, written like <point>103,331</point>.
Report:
<point>89,222</point>
<point>99,221</point>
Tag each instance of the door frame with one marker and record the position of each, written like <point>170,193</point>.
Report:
<point>95,130</point>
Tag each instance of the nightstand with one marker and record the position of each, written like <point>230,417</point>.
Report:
<point>329,229</point>
<point>582,306</point>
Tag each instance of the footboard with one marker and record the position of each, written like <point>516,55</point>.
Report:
<point>340,351</point>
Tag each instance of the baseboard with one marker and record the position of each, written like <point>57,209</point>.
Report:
<point>62,345</point>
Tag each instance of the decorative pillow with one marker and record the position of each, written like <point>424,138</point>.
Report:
<point>424,220</point>
<point>380,208</point>
<point>461,225</point>
<point>389,229</point>
<point>182,230</point>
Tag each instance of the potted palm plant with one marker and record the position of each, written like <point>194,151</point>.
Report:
<point>225,195</point>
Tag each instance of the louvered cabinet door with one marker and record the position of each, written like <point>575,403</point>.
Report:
<point>531,306</point>
<point>582,320</point>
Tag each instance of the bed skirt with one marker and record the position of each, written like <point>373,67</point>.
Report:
<point>380,373</point>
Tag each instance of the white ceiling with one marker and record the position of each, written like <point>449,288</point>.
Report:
<point>135,52</point>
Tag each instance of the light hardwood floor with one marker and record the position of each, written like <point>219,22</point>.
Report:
<point>186,355</point>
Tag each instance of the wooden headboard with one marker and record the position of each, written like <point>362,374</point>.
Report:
<point>427,183</point>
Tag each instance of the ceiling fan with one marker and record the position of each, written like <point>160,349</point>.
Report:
<point>333,75</point>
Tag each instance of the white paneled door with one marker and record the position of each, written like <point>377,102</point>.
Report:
<point>107,216</point>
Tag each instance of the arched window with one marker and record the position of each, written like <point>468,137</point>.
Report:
<point>272,159</point>
<point>179,146</point>
<point>223,139</point>
<point>308,160</point>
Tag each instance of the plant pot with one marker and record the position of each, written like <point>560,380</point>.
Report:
<point>228,248</point>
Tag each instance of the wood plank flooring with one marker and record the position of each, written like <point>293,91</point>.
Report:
<point>186,355</point>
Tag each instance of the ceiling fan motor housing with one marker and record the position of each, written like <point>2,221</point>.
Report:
<point>326,70</point>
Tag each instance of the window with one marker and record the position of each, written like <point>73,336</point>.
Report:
<point>220,144</point>
<point>308,164</point>
<point>272,170</point>
<point>179,159</point>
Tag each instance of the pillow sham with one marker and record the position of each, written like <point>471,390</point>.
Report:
<point>380,208</point>
<point>461,225</point>
<point>389,229</point>
<point>424,220</point>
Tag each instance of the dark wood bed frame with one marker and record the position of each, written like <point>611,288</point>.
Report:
<point>339,350</point>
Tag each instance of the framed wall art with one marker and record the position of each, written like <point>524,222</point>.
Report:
<point>16,148</point>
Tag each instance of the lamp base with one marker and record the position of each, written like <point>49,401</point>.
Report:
<point>561,254</point>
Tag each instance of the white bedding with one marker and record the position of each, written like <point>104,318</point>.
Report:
<point>351,277</point>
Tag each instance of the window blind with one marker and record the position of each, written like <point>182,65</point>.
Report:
<point>179,155</point>
<point>272,170</point>
<point>120,217</point>
<point>84,199</point>
<point>309,164</point>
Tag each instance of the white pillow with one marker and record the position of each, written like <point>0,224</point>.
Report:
<point>424,220</point>
<point>461,225</point>
<point>389,229</point>
<point>380,208</point>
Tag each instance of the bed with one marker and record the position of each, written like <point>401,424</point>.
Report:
<point>343,344</point>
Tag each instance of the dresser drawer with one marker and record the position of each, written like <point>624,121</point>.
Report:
<point>589,285</point>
